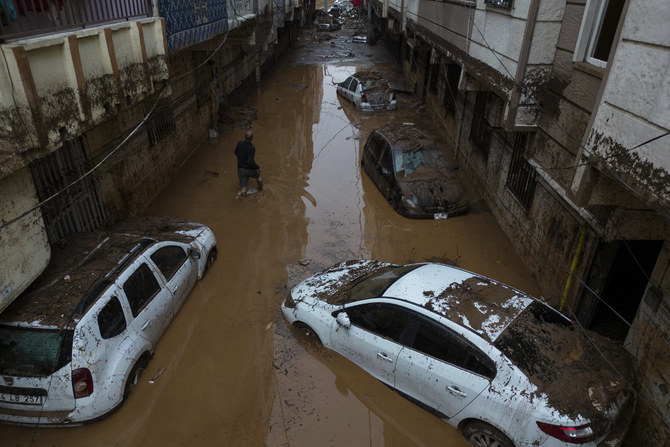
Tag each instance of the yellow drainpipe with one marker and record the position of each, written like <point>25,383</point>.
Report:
<point>573,267</point>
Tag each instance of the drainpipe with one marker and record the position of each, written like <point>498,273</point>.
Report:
<point>523,62</point>
<point>575,261</point>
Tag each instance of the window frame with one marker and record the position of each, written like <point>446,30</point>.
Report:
<point>161,264</point>
<point>589,31</point>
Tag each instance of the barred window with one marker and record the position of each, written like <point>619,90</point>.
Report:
<point>161,123</point>
<point>480,130</point>
<point>521,178</point>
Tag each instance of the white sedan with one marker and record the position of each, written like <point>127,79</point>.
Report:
<point>502,366</point>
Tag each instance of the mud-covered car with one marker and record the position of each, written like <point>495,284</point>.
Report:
<point>489,359</point>
<point>75,343</point>
<point>368,91</point>
<point>411,172</point>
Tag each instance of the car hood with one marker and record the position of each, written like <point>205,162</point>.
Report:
<point>331,286</point>
<point>442,191</point>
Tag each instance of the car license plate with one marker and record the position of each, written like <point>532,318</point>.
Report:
<point>440,216</point>
<point>23,399</point>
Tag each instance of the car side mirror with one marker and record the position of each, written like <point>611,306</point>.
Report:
<point>193,253</point>
<point>343,320</point>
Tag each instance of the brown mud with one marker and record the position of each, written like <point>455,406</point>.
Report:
<point>228,372</point>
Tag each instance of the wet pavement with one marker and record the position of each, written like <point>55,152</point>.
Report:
<point>228,371</point>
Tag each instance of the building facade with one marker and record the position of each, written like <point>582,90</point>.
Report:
<point>560,112</point>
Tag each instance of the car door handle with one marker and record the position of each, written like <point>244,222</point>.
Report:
<point>383,356</point>
<point>456,391</point>
<point>145,325</point>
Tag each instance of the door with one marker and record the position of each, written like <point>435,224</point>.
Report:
<point>373,340</point>
<point>149,300</point>
<point>440,368</point>
<point>179,271</point>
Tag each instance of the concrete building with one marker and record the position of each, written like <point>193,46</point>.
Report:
<point>560,111</point>
<point>102,100</point>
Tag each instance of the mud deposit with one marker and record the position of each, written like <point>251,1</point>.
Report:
<point>227,371</point>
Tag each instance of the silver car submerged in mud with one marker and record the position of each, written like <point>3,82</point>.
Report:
<point>500,365</point>
<point>73,346</point>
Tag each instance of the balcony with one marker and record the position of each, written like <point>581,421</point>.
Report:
<point>26,18</point>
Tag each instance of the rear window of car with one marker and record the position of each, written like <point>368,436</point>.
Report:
<point>409,162</point>
<point>26,352</point>
<point>376,285</point>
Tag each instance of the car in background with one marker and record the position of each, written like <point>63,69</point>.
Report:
<point>340,7</point>
<point>368,91</point>
<point>502,366</point>
<point>412,174</point>
<point>75,343</point>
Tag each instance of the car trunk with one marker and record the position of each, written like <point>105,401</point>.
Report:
<point>36,373</point>
<point>553,352</point>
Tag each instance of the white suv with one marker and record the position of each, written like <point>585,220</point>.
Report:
<point>75,343</point>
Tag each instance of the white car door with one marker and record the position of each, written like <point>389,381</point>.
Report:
<point>441,369</point>
<point>179,271</point>
<point>150,301</point>
<point>372,340</point>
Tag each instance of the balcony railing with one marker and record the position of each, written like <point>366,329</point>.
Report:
<point>24,18</point>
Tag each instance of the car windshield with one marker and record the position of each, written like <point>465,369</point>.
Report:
<point>376,285</point>
<point>410,162</point>
<point>33,352</point>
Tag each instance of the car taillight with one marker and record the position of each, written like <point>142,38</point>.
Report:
<point>363,97</point>
<point>572,435</point>
<point>82,383</point>
<point>393,97</point>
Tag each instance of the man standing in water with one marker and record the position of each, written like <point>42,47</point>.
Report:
<point>246,166</point>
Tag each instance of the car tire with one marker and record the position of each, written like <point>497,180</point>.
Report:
<point>308,331</point>
<point>134,376</point>
<point>482,434</point>
<point>211,257</point>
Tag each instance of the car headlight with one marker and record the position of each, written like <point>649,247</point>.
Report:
<point>288,302</point>
<point>410,201</point>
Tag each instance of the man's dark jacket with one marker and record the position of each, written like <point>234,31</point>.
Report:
<point>245,152</point>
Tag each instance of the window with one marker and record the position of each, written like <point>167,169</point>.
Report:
<point>169,259</point>
<point>140,288</point>
<point>521,176</point>
<point>385,161</point>
<point>161,122</point>
<point>387,320</point>
<point>480,130</point>
<point>354,85</point>
<point>500,3</point>
<point>451,88</point>
<point>111,320</point>
<point>598,30</point>
<point>438,341</point>
<point>434,75</point>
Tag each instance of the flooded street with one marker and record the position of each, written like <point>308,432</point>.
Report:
<point>228,371</point>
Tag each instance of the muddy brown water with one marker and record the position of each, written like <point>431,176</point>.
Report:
<point>233,373</point>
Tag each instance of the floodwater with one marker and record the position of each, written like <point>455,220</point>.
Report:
<point>228,371</point>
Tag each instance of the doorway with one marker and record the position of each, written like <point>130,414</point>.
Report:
<point>619,276</point>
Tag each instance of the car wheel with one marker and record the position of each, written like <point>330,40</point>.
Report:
<point>211,257</point>
<point>134,376</point>
<point>482,434</point>
<point>308,331</point>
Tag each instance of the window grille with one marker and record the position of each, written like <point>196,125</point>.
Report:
<point>161,122</point>
<point>480,130</point>
<point>521,178</point>
<point>78,207</point>
<point>500,3</point>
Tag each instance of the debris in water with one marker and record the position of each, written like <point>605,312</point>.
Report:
<point>158,374</point>
<point>212,173</point>
<point>303,262</point>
